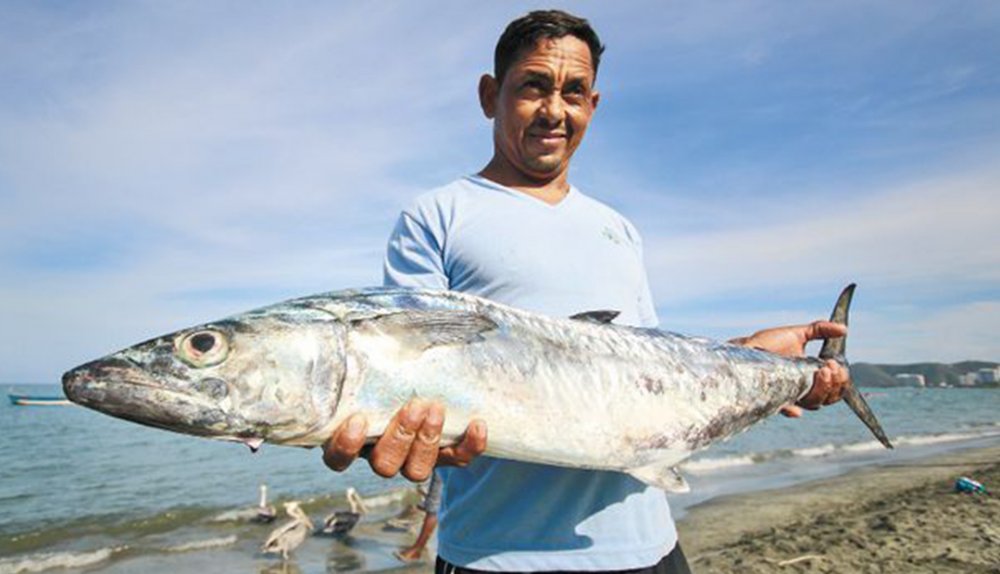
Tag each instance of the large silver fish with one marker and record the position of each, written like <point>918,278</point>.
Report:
<point>577,392</point>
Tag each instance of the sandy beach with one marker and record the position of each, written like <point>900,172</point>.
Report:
<point>897,518</point>
<point>901,518</point>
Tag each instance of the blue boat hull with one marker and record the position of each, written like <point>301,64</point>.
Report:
<point>36,400</point>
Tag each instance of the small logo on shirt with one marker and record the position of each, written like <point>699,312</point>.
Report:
<point>609,234</point>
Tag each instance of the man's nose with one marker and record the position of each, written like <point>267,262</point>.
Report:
<point>553,108</point>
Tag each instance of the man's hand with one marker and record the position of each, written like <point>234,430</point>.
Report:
<point>829,381</point>
<point>410,443</point>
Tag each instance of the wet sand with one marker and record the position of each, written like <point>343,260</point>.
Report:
<point>895,518</point>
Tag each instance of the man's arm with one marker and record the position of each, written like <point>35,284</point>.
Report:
<point>411,442</point>
<point>829,381</point>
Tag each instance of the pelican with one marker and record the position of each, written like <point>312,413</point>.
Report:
<point>340,522</point>
<point>265,512</point>
<point>412,515</point>
<point>289,535</point>
<point>407,519</point>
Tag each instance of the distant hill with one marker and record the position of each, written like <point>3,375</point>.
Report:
<point>873,375</point>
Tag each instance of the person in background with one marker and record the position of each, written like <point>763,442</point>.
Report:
<point>519,233</point>
<point>429,505</point>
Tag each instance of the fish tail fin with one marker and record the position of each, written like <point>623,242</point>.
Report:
<point>836,349</point>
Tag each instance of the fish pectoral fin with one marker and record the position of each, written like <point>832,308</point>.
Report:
<point>426,329</point>
<point>667,478</point>
<point>601,317</point>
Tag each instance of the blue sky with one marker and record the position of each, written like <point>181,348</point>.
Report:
<point>164,164</point>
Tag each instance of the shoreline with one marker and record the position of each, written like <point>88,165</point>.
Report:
<point>892,517</point>
<point>897,517</point>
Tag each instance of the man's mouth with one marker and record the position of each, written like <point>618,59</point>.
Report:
<point>548,138</point>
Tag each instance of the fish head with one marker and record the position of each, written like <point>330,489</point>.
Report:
<point>270,375</point>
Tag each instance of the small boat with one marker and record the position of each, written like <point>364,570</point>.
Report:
<point>37,400</point>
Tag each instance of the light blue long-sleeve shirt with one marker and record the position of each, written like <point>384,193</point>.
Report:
<point>476,236</point>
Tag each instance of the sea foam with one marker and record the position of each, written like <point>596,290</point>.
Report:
<point>709,465</point>
<point>203,544</point>
<point>50,560</point>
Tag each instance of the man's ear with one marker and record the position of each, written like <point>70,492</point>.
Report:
<point>595,98</point>
<point>489,88</point>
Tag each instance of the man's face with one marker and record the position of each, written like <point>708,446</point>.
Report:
<point>542,107</point>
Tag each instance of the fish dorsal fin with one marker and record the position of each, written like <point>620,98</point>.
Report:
<point>667,478</point>
<point>602,316</point>
<point>425,329</point>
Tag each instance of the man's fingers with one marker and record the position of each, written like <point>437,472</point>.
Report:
<point>819,391</point>
<point>345,444</point>
<point>825,330</point>
<point>840,378</point>
<point>828,386</point>
<point>393,447</point>
<point>410,443</point>
<point>832,378</point>
<point>791,411</point>
<point>424,450</point>
<point>473,444</point>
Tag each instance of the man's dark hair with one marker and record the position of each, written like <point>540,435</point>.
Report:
<point>525,32</point>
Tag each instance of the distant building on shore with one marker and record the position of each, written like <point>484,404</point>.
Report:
<point>911,380</point>
<point>968,379</point>
<point>986,376</point>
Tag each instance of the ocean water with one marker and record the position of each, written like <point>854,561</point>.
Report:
<point>84,491</point>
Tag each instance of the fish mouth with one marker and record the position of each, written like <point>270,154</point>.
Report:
<point>118,387</point>
<point>89,384</point>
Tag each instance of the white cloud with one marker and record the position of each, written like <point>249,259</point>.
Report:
<point>902,237</point>
<point>925,255</point>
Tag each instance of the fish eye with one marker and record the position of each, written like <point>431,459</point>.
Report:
<point>203,342</point>
<point>203,348</point>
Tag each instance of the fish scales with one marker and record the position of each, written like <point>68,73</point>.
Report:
<point>568,392</point>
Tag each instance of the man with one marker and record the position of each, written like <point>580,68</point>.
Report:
<point>519,233</point>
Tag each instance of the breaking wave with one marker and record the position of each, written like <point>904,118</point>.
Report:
<point>203,544</point>
<point>51,560</point>
<point>708,465</point>
<point>44,561</point>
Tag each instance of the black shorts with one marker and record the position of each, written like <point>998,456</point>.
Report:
<point>673,563</point>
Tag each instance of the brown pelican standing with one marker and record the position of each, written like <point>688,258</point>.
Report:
<point>340,522</point>
<point>289,535</point>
